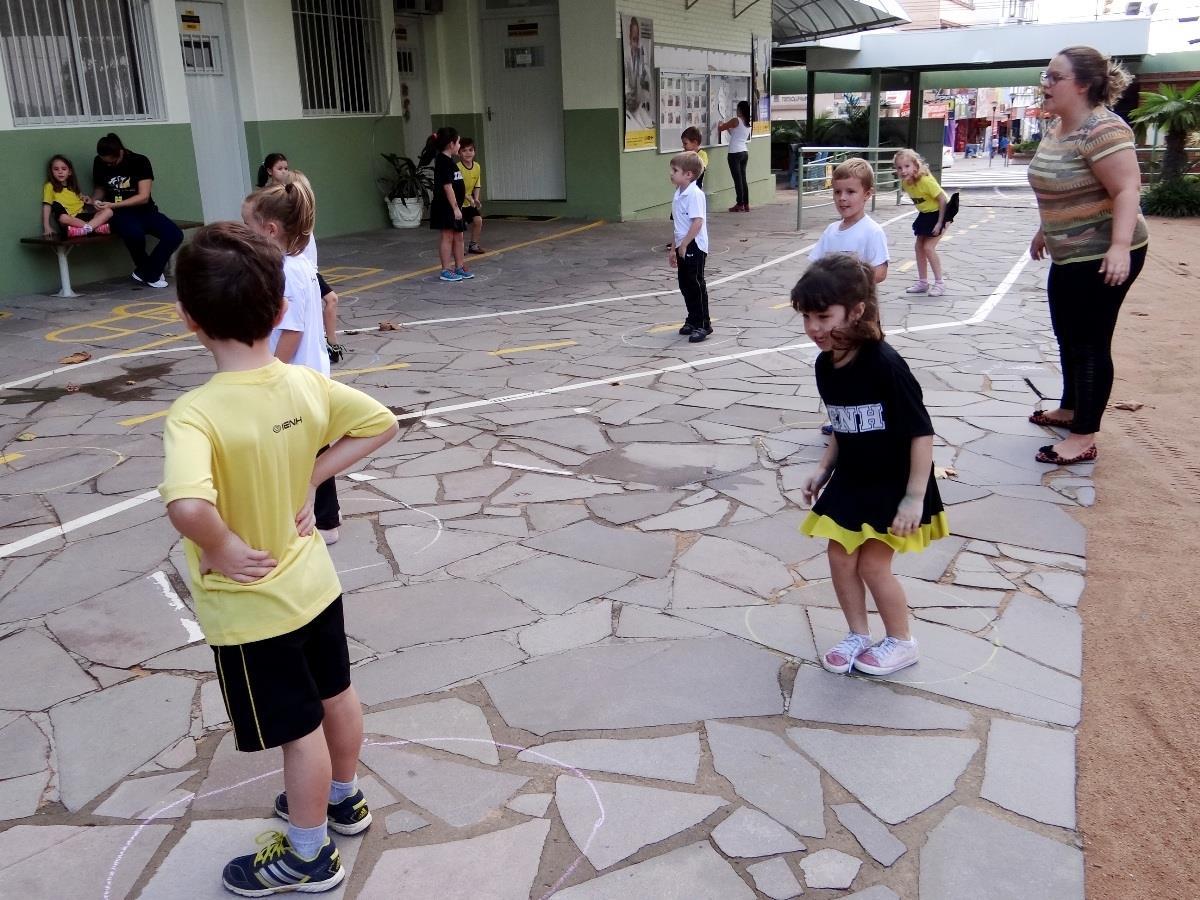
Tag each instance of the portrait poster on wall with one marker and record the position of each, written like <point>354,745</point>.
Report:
<point>724,93</point>
<point>760,84</point>
<point>637,53</point>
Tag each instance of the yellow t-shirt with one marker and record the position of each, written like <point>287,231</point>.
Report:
<point>703,158</point>
<point>246,442</point>
<point>924,193</point>
<point>472,178</point>
<point>70,200</point>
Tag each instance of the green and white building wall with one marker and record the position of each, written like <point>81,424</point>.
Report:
<point>206,89</point>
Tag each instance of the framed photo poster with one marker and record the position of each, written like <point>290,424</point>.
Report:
<point>637,56</point>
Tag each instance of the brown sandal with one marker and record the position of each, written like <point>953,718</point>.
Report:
<point>1047,455</point>
<point>1039,417</point>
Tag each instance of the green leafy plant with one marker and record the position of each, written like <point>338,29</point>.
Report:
<point>1176,198</point>
<point>1027,146</point>
<point>1175,112</point>
<point>407,180</point>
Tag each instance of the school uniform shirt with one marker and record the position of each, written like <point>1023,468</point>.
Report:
<point>875,407</point>
<point>303,314</point>
<point>120,182</point>
<point>687,204</point>
<point>864,239</point>
<point>67,198</point>
<point>245,442</point>
<point>924,192</point>
<point>739,137</point>
<point>310,250</point>
<point>472,178</point>
<point>703,158</point>
<point>1075,207</point>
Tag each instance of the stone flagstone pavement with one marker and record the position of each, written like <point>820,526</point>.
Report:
<point>583,623</point>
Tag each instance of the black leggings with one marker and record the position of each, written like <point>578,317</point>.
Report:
<point>1083,311</point>
<point>737,168</point>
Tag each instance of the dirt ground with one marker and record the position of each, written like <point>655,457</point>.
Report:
<point>1139,784</point>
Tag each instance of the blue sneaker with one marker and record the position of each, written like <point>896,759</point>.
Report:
<point>277,868</point>
<point>463,273</point>
<point>448,275</point>
<point>350,816</point>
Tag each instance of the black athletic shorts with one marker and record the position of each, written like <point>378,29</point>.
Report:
<point>323,285</point>
<point>273,688</point>
<point>470,214</point>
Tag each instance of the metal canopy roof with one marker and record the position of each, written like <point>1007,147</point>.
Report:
<point>795,21</point>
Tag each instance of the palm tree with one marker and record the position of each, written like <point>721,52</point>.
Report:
<point>1175,112</point>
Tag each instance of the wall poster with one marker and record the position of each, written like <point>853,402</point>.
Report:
<point>724,92</point>
<point>682,102</point>
<point>637,54</point>
<point>760,84</point>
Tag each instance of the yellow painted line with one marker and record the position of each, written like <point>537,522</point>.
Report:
<point>127,319</point>
<point>553,345</point>
<point>10,458</point>
<point>781,306</point>
<point>160,342</point>
<point>431,269</point>
<point>905,266</point>
<point>948,239</point>
<point>339,274</point>
<point>4,314</point>
<point>138,420</point>
<point>658,328</point>
<point>342,373</point>
<point>969,227</point>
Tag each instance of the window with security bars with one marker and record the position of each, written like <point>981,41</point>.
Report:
<point>79,61</point>
<point>340,49</point>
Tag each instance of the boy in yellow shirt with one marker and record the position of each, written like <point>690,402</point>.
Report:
<point>691,142</point>
<point>239,485</point>
<point>472,207</point>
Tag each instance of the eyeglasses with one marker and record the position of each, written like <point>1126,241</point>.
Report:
<point>1049,78</point>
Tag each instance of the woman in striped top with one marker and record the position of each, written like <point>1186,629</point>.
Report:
<point>1086,179</point>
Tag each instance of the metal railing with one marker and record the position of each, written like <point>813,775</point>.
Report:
<point>1150,161</point>
<point>815,177</point>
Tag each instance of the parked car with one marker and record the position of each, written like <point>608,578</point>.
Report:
<point>947,158</point>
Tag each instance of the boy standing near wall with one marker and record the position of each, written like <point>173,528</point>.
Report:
<point>239,485</point>
<point>689,249</point>
<point>472,208</point>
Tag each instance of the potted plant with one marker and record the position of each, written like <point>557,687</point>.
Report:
<point>407,190</point>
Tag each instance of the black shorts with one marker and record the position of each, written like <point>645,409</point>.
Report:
<point>57,210</point>
<point>441,217</point>
<point>273,688</point>
<point>924,223</point>
<point>470,214</point>
<point>323,285</point>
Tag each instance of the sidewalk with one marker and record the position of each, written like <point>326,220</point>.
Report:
<point>582,620</point>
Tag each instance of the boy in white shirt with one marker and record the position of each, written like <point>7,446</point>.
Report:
<point>689,249</point>
<point>856,233</point>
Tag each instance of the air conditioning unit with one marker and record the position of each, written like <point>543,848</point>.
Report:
<point>417,7</point>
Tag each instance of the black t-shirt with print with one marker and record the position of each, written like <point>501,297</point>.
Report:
<point>120,182</point>
<point>445,171</point>
<point>875,407</point>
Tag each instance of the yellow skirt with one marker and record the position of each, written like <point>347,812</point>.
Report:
<point>824,527</point>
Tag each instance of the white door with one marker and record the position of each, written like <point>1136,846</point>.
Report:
<point>217,130</point>
<point>523,121</point>
<point>414,91</point>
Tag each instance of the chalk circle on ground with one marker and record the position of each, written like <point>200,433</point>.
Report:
<point>644,338</point>
<point>42,470</point>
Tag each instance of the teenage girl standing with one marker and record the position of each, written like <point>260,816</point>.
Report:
<point>445,210</point>
<point>879,492</point>
<point>739,154</point>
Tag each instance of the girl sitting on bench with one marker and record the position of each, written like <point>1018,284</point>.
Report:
<point>64,206</point>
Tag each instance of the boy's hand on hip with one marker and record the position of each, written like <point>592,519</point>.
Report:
<point>236,560</point>
<point>306,518</point>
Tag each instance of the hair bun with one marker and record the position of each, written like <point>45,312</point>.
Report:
<point>1117,82</point>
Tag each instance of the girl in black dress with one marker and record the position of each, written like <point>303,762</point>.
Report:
<point>877,472</point>
<point>445,210</point>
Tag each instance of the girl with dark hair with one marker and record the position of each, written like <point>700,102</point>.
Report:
<point>64,206</point>
<point>122,181</point>
<point>273,169</point>
<point>739,154</point>
<point>875,479</point>
<point>1088,187</point>
<point>445,210</point>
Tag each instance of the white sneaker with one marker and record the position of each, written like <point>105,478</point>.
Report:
<point>921,287</point>
<point>888,656</point>
<point>161,283</point>
<point>329,535</point>
<point>937,290</point>
<point>840,658</point>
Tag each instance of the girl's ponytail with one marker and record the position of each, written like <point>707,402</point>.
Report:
<point>292,206</point>
<point>428,152</point>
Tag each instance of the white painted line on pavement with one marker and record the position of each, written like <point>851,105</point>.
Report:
<point>176,602</point>
<point>978,316</point>
<point>510,465</point>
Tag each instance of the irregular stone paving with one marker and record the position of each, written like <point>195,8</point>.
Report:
<point>582,621</point>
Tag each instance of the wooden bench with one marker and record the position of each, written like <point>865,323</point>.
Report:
<point>63,246</point>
